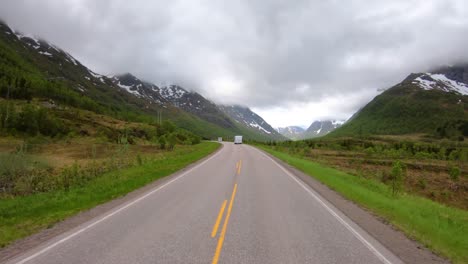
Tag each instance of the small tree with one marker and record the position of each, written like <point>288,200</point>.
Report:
<point>397,177</point>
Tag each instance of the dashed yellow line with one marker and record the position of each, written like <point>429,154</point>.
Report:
<point>218,219</point>
<point>223,231</point>
<point>239,166</point>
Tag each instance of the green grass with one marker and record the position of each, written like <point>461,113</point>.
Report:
<point>23,216</point>
<point>443,229</point>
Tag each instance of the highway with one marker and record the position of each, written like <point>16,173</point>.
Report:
<point>237,206</point>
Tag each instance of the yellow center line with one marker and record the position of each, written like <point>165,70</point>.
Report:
<point>223,231</point>
<point>239,167</point>
<point>218,219</point>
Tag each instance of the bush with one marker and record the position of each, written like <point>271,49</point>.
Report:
<point>454,173</point>
<point>397,177</point>
<point>30,120</point>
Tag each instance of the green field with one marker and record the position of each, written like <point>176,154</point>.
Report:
<point>441,228</point>
<point>21,216</point>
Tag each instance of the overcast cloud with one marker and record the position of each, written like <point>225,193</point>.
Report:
<point>291,61</point>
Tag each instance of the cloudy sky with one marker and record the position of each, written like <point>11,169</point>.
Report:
<point>291,61</point>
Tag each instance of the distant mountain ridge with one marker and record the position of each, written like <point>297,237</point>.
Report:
<point>316,129</point>
<point>291,132</point>
<point>321,128</point>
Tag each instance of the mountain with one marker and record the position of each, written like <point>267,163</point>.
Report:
<point>250,120</point>
<point>196,104</point>
<point>291,132</point>
<point>422,103</point>
<point>229,117</point>
<point>316,129</point>
<point>33,68</point>
<point>321,128</point>
<point>174,96</point>
<point>139,88</point>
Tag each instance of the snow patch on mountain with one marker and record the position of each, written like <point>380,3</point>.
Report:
<point>128,88</point>
<point>71,59</point>
<point>172,92</point>
<point>430,81</point>
<point>338,122</point>
<point>97,76</point>
<point>255,125</point>
<point>45,53</point>
<point>20,36</point>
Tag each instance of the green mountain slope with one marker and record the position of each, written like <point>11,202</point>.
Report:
<point>33,68</point>
<point>422,103</point>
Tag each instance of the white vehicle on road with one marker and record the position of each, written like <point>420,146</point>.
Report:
<point>238,140</point>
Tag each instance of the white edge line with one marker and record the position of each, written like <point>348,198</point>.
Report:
<point>113,213</point>
<point>332,212</point>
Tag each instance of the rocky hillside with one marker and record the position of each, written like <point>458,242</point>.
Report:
<point>434,103</point>
<point>247,118</point>
<point>174,96</point>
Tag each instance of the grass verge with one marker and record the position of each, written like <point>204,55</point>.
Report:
<point>441,228</point>
<point>25,215</point>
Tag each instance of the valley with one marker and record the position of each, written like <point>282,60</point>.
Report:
<point>149,162</point>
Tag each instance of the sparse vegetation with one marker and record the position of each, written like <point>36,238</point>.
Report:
<point>431,166</point>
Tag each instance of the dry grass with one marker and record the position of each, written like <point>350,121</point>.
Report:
<point>427,178</point>
<point>80,150</point>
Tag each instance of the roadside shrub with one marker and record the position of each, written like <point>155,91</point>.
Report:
<point>369,151</point>
<point>397,177</point>
<point>454,173</point>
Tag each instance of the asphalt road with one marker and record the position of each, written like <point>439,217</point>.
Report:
<point>238,206</point>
